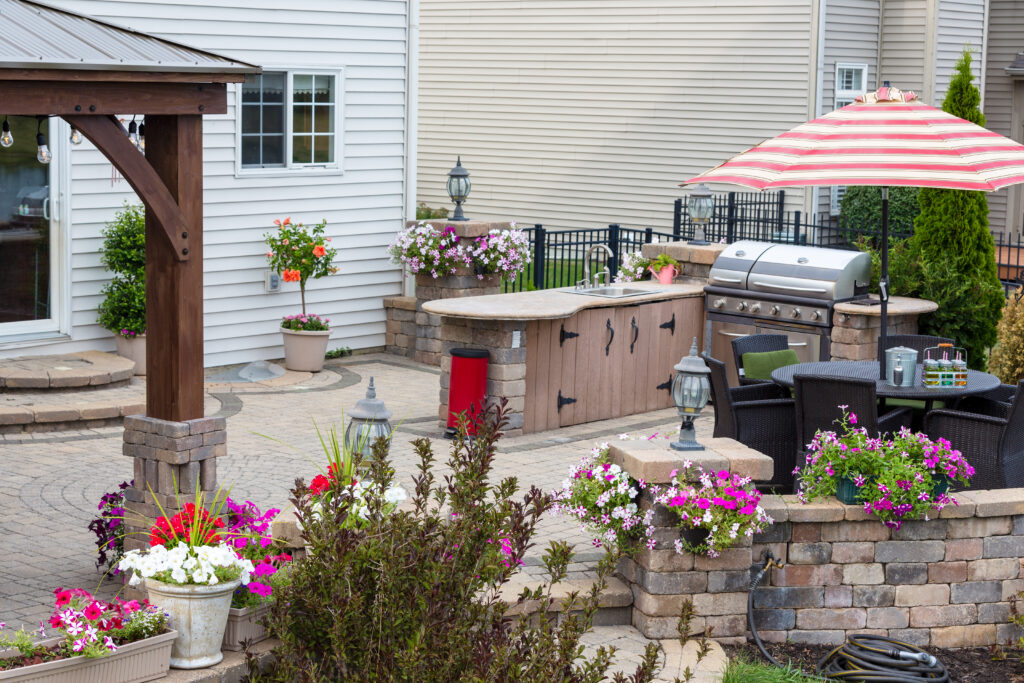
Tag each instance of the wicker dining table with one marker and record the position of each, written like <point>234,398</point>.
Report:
<point>977,382</point>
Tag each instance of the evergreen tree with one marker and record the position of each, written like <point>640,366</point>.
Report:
<point>952,229</point>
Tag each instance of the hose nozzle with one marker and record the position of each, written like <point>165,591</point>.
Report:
<point>919,657</point>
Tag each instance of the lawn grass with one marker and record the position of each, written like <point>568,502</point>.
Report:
<point>557,273</point>
<point>742,670</point>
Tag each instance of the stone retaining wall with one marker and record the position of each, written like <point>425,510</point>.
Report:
<point>946,582</point>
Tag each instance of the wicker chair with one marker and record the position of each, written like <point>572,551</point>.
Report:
<point>818,398</point>
<point>994,446</point>
<point>756,343</point>
<point>760,416</point>
<point>918,342</point>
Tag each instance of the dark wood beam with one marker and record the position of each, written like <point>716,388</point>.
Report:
<point>174,289</point>
<point>109,137</point>
<point>70,75</point>
<point>29,98</point>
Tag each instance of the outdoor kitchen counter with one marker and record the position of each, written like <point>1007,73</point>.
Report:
<point>898,305</point>
<point>548,304</point>
<point>561,359</point>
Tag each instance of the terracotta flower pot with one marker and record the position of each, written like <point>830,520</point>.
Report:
<point>304,351</point>
<point>143,660</point>
<point>133,348</point>
<point>199,613</point>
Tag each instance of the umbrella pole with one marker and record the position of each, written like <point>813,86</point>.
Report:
<point>883,283</point>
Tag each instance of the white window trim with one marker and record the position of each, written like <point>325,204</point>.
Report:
<point>840,99</point>
<point>291,169</point>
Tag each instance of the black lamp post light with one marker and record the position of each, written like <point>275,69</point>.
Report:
<point>701,206</point>
<point>458,188</point>
<point>690,393</point>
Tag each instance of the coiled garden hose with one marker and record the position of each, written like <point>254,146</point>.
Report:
<point>862,657</point>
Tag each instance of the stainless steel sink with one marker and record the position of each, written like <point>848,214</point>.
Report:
<point>611,292</point>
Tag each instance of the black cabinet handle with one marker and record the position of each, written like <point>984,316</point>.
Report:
<point>670,325</point>
<point>636,333</point>
<point>611,336</point>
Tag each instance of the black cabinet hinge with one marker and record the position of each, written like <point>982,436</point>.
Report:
<point>670,325</point>
<point>667,385</point>
<point>564,400</point>
<point>563,335</point>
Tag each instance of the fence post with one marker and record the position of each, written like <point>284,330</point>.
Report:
<point>539,252</point>
<point>677,218</point>
<point>780,211</point>
<point>796,228</point>
<point>648,235</point>
<point>613,244</point>
<point>730,227</point>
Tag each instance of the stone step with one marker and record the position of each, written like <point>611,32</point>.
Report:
<point>615,606</point>
<point>85,370</point>
<point>232,669</point>
<point>45,410</point>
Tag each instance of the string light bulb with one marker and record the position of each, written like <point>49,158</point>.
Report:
<point>6,139</point>
<point>43,154</point>
<point>142,137</point>
<point>76,137</point>
<point>133,133</point>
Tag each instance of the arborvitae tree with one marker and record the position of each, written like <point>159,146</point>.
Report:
<point>953,228</point>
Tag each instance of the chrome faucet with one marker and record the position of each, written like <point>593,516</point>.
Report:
<point>585,282</point>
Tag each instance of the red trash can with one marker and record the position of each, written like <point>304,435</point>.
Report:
<point>467,387</point>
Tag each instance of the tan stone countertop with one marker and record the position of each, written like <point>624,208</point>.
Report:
<point>898,305</point>
<point>552,303</point>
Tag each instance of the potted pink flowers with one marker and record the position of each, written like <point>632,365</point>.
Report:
<point>300,254</point>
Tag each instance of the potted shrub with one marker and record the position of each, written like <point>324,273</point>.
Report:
<point>665,268</point>
<point>903,477</point>
<point>299,254</point>
<point>123,310</point>
<point>98,641</point>
<point>193,573</point>
<point>249,530</point>
<point>716,509</point>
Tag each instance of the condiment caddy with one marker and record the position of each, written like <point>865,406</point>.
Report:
<point>944,367</point>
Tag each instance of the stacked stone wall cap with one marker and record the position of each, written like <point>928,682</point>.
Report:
<point>405,303</point>
<point>654,461</point>
<point>464,228</point>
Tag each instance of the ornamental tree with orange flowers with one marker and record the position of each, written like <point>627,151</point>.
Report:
<point>300,253</point>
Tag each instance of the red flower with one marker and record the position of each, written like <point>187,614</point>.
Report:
<point>93,611</point>
<point>319,250</point>
<point>291,275</point>
<point>63,598</point>
<point>55,621</point>
<point>319,484</point>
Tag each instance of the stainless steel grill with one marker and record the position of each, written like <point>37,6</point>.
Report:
<point>759,287</point>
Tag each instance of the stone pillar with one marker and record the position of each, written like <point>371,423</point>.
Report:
<point>506,368</point>
<point>414,333</point>
<point>171,461</point>
<point>855,327</point>
<point>695,260</point>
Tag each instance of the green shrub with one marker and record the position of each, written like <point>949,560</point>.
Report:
<point>123,310</point>
<point>1007,358</point>
<point>862,207</point>
<point>425,213</point>
<point>413,595</point>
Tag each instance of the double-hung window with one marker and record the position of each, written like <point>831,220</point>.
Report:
<point>290,120</point>
<point>851,81</point>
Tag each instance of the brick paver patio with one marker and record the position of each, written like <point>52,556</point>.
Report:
<point>53,481</point>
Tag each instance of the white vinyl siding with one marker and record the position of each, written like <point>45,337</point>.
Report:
<point>363,208</point>
<point>851,37</point>
<point>1005,40</point>
<point>961,23</point>
<point>580,113</point>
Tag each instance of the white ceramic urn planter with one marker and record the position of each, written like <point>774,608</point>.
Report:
<point>133,348</point>
<point>304,350</point>
<point>199,613</point>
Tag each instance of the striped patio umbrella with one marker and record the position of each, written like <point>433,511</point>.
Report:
<point>885,138</point>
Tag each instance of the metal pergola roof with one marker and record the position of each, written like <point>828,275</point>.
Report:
<point>34,35</point>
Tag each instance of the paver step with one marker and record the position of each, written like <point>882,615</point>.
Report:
<point>50,410</point>
<point>84,370</point>
<point>614,607</point>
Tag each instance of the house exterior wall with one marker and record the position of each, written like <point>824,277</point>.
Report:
<point>364,205</point>
<point>1005,40</point>
<point>961,23</point>
<point>579,114</point>
<point>907,54</point>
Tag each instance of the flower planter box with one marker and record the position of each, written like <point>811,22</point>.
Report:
<point>244,624</point>
<point>143,660</point>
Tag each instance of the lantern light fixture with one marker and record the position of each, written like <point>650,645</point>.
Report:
<point>368,423</point>
<point>690,392</point>
<point>458,188</point>
<point>6,139</point>
<point>701,205</point>
<point>43,154</point>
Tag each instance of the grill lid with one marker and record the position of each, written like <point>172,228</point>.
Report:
<point>812,272</point>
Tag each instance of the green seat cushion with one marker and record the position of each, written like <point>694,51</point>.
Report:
<point>761,365</point>
<point>913,404</point>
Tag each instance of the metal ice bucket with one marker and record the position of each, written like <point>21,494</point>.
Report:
<point>908,361</point>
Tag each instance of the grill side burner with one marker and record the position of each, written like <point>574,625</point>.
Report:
<point>756,287</point>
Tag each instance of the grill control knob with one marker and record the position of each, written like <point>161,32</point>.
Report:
<point>796,312</point>
<point>718,303</point>
<point>775,310</point>
<point>815,315</point>
<point>741,306</point>
<point>756,308</point>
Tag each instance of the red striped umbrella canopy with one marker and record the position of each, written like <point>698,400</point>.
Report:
<point>884,138</point>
